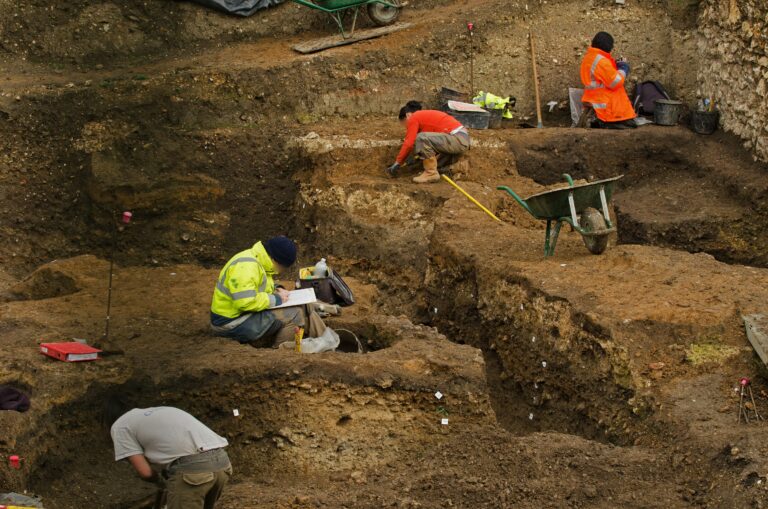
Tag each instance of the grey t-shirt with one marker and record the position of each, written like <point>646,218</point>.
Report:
<point>162,434</point>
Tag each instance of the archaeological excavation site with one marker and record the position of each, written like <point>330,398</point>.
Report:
<point>570,313</point>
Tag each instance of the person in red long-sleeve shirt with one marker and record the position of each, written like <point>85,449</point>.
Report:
<point>429,134</point>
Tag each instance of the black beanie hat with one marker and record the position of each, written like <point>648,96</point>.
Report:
<point>282,250</point>
<point>603,41</point>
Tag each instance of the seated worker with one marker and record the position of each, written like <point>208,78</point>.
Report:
<point>169,447</point>
<point>246,290</point>
<point>429,134</point>
<point>603,80</point>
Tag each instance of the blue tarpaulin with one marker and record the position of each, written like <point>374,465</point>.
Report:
<point>238,7</point>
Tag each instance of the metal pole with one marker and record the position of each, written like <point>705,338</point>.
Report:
<point>471,28</point>
<point>126,218</point>
<point>109,291</point>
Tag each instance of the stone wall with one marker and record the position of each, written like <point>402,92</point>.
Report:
<point>733,44</point>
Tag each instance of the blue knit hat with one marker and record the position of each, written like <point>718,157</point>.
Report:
<point>282,250</point>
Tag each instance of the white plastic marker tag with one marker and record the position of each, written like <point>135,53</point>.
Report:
<point>530,417</point>
<point>439,395</point>
<point>444,422</point>
<point>236,412</point>
<point>543,364</point>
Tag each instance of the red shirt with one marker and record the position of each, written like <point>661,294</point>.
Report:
<point>425,121</point>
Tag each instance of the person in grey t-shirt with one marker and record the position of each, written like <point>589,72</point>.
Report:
<point>170,447</point>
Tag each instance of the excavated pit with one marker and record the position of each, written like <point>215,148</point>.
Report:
<point>709,200</point>
<point>561,390</point>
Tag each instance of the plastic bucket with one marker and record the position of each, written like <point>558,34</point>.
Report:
<point>667,112</point>
<point>471,119</point>
<point>494,122</point>
<point>705,122</point>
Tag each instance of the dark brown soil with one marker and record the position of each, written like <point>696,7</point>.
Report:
<point>576,381</point>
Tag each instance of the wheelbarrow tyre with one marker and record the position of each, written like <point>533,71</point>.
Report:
<point>383,15</point>
<point>593,221</point>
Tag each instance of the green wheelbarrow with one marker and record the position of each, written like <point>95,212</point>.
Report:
<point>381,12</point>
<point>578,205</point>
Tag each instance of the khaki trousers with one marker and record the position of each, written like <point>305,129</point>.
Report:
<point>293,317</point>
<point>429,145</point>
<point>195,491</point>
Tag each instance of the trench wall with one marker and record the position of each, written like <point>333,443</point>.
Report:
<point>733,44</point>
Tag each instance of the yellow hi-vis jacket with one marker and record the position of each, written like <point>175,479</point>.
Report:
<point>245,284</point>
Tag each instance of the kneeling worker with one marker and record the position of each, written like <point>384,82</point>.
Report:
<point>429,134</point>
<point>603,79</point>
<point>245,290</point>
<point>171,448</point>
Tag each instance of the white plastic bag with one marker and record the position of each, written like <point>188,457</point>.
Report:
<point>328,341</point>
<point>577,107</point>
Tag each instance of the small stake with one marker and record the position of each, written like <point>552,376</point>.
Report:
<point>746,389</point>
<point>471,28</point>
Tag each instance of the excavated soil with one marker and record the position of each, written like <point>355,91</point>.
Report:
<point>574,381</point>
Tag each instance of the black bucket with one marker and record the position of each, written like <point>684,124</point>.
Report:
<point>494,122</point>
<point>667,112</point>
<point>471,119</point>
<point>705,122</point>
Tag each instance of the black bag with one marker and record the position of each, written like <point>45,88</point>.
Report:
<point>331,289</point>
<point>342,291</point>
<point>646,94</point>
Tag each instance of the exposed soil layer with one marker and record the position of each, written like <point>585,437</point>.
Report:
<point>574,381</point>
<point>679,190</point>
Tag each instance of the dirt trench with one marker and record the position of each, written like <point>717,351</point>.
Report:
<point>566,382</point>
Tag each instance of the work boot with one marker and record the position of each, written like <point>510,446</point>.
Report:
<point>430,174</point>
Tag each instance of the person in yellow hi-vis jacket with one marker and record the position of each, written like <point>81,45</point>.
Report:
<point>245,290</point>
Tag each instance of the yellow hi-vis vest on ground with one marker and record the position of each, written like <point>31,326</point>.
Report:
<point>493,102</point>
<point>245,284</point>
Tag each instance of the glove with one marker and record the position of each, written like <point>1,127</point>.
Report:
<point>392,170</point>
<point>623,66</point>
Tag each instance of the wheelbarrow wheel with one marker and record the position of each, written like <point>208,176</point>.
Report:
<point>383,15</point>
<point>593,221</point>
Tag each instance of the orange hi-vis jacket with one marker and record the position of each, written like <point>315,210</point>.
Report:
<point>604,87</point>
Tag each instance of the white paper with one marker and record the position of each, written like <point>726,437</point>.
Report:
<point>444,422</point>
<point>439,395</point>
<point>236,412</point>
<point>82,356</point>
<point>299,298</point>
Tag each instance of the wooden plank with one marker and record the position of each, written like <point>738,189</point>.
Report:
<point>757,333</point>
<point>333,41</point>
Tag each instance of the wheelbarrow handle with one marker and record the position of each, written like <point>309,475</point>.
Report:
<point>517,198</point>
<point>568,178</point>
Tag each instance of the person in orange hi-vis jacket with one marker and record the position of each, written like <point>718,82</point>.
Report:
<point>603,79</point>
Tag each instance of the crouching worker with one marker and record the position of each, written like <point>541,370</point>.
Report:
<point>434,137</point>
<point>603,79</point>
<point>169,447</point>
<point>245,290</point>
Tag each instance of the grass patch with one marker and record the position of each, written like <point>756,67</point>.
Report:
<point>709,352</point>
